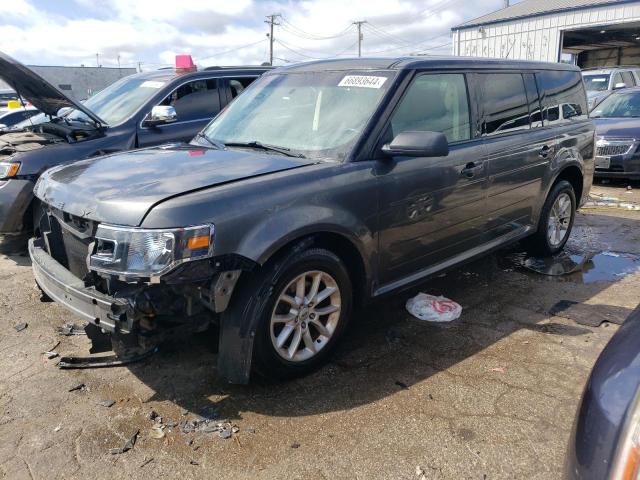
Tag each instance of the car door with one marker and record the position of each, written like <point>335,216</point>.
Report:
<point>196,102</point>
<point>518,154</point>
<point>431,208</point>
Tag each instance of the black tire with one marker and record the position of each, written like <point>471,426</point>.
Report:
<point>539,243</point>
<point>255,299</point>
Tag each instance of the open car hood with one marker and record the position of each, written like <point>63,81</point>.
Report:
<point>32,87</point>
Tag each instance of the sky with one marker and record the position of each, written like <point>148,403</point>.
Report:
<point>225,32</point>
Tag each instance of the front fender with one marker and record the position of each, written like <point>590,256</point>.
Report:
<point>295,222</point>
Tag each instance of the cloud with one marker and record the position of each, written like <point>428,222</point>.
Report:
<point>223,31</point>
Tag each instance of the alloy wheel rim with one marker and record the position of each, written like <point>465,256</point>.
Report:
<point>305,316</point>
<point>559,220</point>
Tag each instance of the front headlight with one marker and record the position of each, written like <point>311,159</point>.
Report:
<point>8,169</point>
<point>135,253</point>
<point>626,465</point>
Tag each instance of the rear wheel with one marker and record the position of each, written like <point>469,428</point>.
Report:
<point>556,221</point>
<point>302,303</point>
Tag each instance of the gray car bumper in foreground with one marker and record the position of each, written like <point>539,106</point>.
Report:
<point>87,303</point>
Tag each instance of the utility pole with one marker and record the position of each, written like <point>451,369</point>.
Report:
<point>139,66</point>
<point>360,36</point>
<point>506,3</point>
<point>271,21</point>
<point>97,59</point>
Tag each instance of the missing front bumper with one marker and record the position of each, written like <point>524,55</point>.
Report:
<point>108,313</point>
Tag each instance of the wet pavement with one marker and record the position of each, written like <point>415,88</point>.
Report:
<point>490,395</point>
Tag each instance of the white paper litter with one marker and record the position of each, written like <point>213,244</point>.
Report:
<point>433,309</point>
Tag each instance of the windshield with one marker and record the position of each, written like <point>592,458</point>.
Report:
<point>119,101</point>
<point>316,114</point>
<point>619,105</point>
<point>596,83</point>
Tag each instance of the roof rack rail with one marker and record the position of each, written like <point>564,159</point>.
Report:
<point>229,67</point>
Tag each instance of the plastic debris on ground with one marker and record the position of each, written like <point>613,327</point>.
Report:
<point>157,432</point>
<point>69,329</point>
<point>433,309</point>
<point>129,444</point>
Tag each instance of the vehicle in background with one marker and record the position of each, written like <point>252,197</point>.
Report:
<point>599,82</point>
<point>617,120</point>
<point>6,96</point>
<point>140,110</point>
<point>9,117</point>
<point>605,442</point>
<point>324,185</point>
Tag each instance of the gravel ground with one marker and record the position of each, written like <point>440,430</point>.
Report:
<point>491,395</point>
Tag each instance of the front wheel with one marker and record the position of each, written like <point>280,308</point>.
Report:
<point>556,221</point>
<point>302,303</point>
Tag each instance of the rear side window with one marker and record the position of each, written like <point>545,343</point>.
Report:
<point>435,103</point>
<point>627,78</point>
<point>535,114</point>
<point>195,100</point>
<point>237,85</point>
<point>562,97</point>
<point>504,103</point>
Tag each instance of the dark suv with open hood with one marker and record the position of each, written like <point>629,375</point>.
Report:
<point>137,111</point>
<point>323,185</point>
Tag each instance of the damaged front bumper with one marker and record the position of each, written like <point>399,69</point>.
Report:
<point>124,315</point>
<point>104,311</point>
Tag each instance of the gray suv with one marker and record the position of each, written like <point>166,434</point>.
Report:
<point>599,82</point>
<point>320,187</point>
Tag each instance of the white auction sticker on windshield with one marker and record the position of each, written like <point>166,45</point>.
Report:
<point>151,84</point>
<point>362,81</point>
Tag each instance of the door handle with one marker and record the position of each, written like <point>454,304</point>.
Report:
<point>545,151</point>
<point>471,168</point>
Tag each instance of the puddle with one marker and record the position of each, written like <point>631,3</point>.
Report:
<point>587,268</point>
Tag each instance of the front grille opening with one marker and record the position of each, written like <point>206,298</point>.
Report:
<point>611,150</point>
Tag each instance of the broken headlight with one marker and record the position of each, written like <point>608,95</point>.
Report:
<point>134,253</point>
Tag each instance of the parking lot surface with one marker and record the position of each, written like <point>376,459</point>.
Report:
<point>491,395</point>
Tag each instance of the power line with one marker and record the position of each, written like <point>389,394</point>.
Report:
<point>297,52</point>
<point>290,28</point>
<point>232,50</point>
<point>406,47</point>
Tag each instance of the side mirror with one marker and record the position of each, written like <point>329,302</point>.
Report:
<point>620,85</point>
<point>418,144</point>
<point>160,115</point>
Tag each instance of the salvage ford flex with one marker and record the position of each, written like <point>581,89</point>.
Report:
<point>323,185</point>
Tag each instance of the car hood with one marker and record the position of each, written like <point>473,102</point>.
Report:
<point>32,87</point>
<point>121,188</point>
<point>618,127</point>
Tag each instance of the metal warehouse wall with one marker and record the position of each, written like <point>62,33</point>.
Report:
<point>82,81</point>
<point>539,37</point>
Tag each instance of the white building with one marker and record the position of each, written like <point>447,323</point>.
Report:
<point>590,33</point>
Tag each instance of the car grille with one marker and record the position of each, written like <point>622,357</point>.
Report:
<point>68,246</point>
<point>610,150</point>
